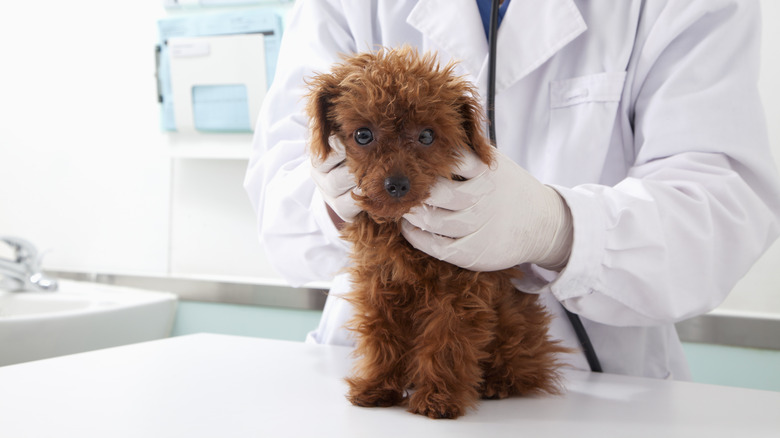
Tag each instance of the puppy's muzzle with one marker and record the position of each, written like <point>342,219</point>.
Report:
<point>397,186</point>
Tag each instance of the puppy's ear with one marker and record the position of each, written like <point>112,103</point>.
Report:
<point>473,122</point>
<point>323,88</point>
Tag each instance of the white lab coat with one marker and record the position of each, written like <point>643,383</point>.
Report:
<point>644,115</point>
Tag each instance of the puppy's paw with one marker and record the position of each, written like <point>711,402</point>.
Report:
<point>437,406</point>
<point>361,394</point>
<point>496,389</point>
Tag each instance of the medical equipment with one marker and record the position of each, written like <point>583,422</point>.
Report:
<point>574,319</point>
<point>213,69</point>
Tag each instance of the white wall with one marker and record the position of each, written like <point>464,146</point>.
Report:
<point>86,172</point>
<point>82,167</point>
<point>760,290</point>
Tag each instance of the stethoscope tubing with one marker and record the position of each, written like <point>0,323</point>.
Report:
<point>574,319</point>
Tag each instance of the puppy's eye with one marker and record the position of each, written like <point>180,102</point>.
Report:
<point>426,137</point>
<point>363,136</point>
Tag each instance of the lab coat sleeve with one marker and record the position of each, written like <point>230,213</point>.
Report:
<point>294,228</point>
<point>701,201</point>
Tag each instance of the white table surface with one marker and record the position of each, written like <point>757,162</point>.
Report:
<point>226,386</point>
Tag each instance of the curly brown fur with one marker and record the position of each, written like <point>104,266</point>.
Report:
<point>429,334</point>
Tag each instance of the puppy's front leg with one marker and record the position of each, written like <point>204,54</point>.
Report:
<point>445,366</point>
<point>523,359</point>
<point>378,379</point>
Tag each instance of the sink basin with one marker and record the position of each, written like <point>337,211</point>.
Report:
<point>80,316</point>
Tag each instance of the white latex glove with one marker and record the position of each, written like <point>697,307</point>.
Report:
<point>499,217</point>
<point>335,182</point>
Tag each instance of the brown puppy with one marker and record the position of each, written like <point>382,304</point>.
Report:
<point>447,334</point>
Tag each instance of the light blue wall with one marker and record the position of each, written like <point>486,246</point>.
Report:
<point>734,366</point>
<point>230,319</point>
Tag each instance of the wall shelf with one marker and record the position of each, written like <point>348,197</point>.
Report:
<point>209,146</point>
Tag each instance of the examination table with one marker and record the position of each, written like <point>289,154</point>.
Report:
<point>226,386</point>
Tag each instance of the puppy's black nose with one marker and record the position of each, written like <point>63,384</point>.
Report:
<point>397,186</point>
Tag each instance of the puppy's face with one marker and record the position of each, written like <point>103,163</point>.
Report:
<point>404,121</point>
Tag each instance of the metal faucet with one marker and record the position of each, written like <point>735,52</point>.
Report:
<point>24,272</point>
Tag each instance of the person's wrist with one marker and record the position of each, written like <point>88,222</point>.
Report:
<point>560,234</point>
<point>335,218</point>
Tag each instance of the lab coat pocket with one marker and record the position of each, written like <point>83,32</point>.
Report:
<point>582,119</point>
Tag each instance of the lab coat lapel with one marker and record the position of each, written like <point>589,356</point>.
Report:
<point>454,26</point>
<point>531,33</point>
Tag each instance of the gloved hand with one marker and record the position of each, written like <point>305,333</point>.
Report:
<point>499,217</point>
<point>335,182</point>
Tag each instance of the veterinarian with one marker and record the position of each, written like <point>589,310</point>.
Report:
<point>634,185</point>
